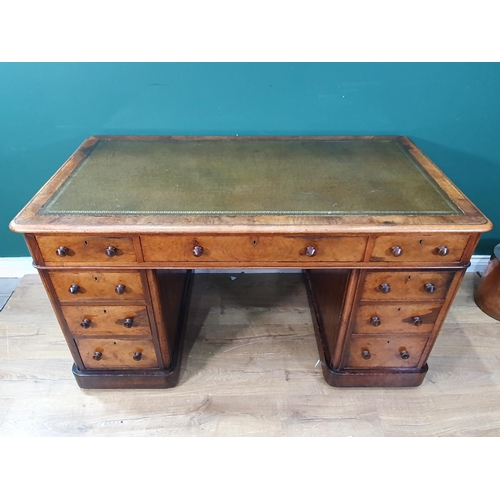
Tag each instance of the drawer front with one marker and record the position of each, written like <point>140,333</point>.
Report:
<point>385,351</point>
<point>71,250</point>
<point>106,354</point>
<point>97,285</point>
<point>119,321</point>
<point>408,285</point>
<point>384,317</point>
<point>436,248</point>
<point>248,248</point>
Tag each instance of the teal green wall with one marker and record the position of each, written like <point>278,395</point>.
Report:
<point>451,111</point>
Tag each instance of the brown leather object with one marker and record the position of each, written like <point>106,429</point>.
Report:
<point>488,293</point>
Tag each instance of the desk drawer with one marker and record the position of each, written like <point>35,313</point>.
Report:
<point>82,285</point>
<point>385,351</point>
<point>436,248</point>
<point>71,250</point>
<point>417,317</point>
<point>107,354</point>
<point>406,285</point>
<point>119,321</point>
<point>252,248</point>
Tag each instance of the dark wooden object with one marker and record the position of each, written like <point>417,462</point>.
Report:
<point>488,292</point>
<point>383,235</point>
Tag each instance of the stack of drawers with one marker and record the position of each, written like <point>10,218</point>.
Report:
<point>396,318</point>
<point>377,323</point>
<point>399,310</point>
<point>105,313</point>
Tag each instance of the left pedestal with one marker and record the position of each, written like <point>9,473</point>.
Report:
<point>124,328</point>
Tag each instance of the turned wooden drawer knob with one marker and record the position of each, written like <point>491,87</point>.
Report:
<point>97,355</point>
<point>74,288</point>
<point>417,320</point>
<point>137,356</point>
<point>404,354</point>
<point>111,251</point>
<point>62,251</point>
<point>128,323</point>
<point>198,251</point>
<point>429,288</point>
<point>442,251</point>
<point>120,289</point>
<point>396,251</point>
<point>365,354</point>
<point>85,323</point>
<point>385,288</point>
<point>310,251</point>
<point>375,321</point>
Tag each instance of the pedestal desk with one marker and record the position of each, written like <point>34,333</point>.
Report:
<point>382,235</point>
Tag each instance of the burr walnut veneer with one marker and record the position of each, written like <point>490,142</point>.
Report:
<point>381,233</point>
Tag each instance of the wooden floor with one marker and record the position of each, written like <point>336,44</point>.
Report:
<point>250,368</point>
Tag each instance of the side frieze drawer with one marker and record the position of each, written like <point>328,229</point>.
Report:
<point>432,248</point>
<point>73,250</point>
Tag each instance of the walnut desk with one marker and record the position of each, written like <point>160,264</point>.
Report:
<point>382,235</point>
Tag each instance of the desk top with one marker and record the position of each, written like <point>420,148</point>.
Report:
<point>183,184</point>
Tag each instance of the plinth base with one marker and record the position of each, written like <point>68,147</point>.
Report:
<point>114,379</point>
<point>374,378</point>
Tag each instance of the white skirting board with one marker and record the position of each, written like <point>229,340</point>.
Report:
<point>478,263</point>
<point>17,267</point>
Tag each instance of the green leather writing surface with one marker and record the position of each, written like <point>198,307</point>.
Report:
<point>238,177</point>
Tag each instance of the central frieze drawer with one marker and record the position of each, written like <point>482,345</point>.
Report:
<point>417,317</point>
<point>107,354</point>
<point>120,321</point>
<point>251,248</point>
<point>84,285</point>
